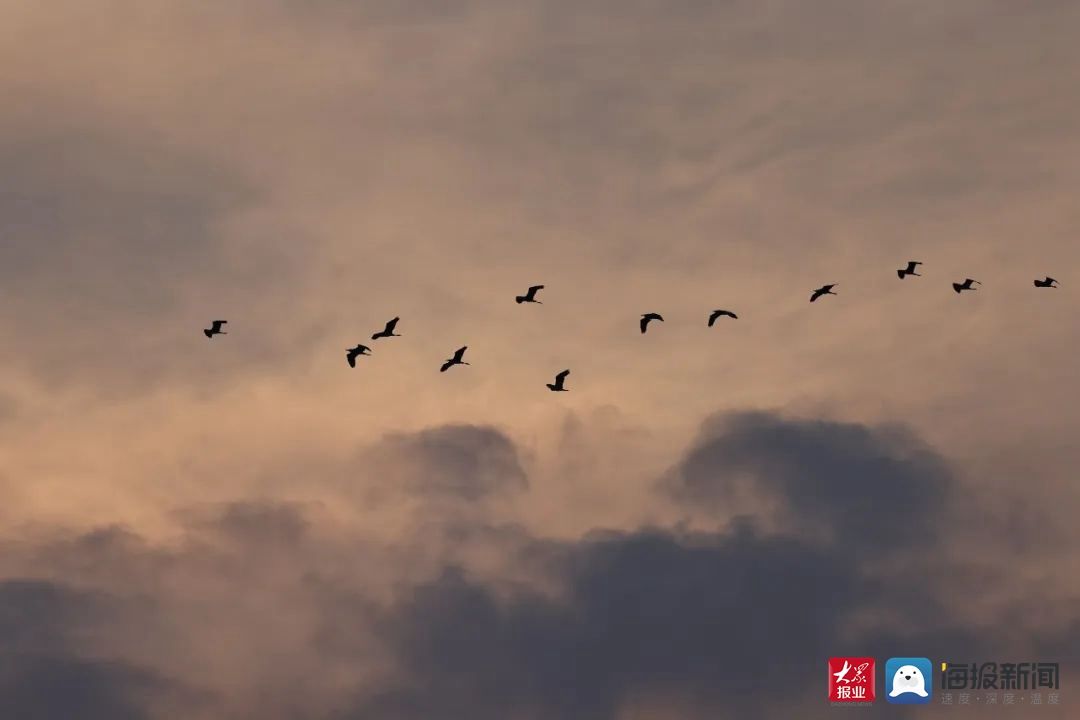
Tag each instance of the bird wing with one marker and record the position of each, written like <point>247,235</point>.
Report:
<point>817,293</point>
<point>446,365</point>
<point>391,325</point>
<point>351,357</point>
<point>534,288</point>
<point>644,322</point>
<point>561,376</point>
<point>460,352</point>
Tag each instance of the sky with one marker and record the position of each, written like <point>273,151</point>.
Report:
<point>247,527</point>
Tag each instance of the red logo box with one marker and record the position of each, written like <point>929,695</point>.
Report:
<point>851,680</point>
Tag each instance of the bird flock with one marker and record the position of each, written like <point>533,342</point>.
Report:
<point>559,385</point>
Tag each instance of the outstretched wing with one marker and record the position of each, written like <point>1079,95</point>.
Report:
<point>460,352</point>
<point>446,365</point>
<point>712,318</point>
<point>561,376</point>
<point>391,325</point>
<point>644,322</point>
<point>817,293</point>
<point>534,289</point>
<point>351,357</point>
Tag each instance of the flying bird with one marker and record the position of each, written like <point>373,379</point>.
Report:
<point>530,296</point>
<point>353,353</point>
<point>647,318</point>
<point>721,313</point>
<point>456,360</point>
<point>215,329</point>
<point>823,290</point>
<point>966,285</point>
<point>557,386</point>
<point>388,331</point>
<point>909,270</point>
<point>1048,282</point>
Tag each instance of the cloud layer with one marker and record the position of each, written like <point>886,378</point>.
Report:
<point>274,610</point>
<point>247,527</point>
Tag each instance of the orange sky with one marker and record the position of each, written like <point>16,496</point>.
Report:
<point>308,170</point>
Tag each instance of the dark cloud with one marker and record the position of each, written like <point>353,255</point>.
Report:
<point>457,461</point>
<point>44,675</point>
<point>734,622</point>
<point>872,489</point>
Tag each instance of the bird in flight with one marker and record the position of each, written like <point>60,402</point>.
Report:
<point>557,386</point>
<point>966,285</point>
<point>530,296</point>
<point>909,270</point>
<point>823,290</point>
<point>456,360</point>
<point>388,331</point>
<point>352,353</point>
<point>721,313</point>
<point>1048,282</point>
<point>215,329</point>
<point>647,318</point>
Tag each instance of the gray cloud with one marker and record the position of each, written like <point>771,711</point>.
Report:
<point>731,622</point>
<point>459,461</point>
<point>45,675</point>
<point>871,489</point>
<point>720,619</point>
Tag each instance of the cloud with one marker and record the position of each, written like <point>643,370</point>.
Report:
<point>872,489</point>
<point>43,672</point>
<point>466,462</point>
<point>732,621</point>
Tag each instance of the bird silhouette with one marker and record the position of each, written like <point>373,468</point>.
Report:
<point>909,270</point>
<point>530,296</point>
<point>1048,282</point>
<point>557,386</point>
<point>353,353</point>
<point>721,313</point>
<point>388,331</point>
<point>456,360</point>
<point>823,290</point>
<point>215,329</point>
<point>966,285</point>
<point>647,318</point>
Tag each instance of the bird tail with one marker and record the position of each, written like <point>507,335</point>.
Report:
<point>520,299</point>
<point>957,287</point>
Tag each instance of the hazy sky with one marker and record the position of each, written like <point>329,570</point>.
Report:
<point>246,527</point>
